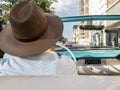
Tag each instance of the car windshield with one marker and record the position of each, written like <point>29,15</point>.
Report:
<point>92,23</point>
<point>93,32</point>
<point>91,41</point>
<point>91,36</point>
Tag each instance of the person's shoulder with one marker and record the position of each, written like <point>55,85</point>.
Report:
<point>66,65</point>
<point>66,59</point>
<point>7,56</point>
<point>3,60</point>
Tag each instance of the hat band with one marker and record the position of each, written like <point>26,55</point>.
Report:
<point>33,38</point>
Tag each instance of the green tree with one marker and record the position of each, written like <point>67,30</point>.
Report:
<point>63,39</point>
<point>44,4</point>
<point>7,6</point>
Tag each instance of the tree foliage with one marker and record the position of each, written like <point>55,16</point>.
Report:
<point>45,4</point>
<point>63,39</point>
<point>9,4</point>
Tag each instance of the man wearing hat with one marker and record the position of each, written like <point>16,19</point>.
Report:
<point>26,42</point>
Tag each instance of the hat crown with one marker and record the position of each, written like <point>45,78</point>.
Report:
<point>28,21</point>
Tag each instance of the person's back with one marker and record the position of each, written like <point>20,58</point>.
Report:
<point>48,63</point>
<point>27,38</point>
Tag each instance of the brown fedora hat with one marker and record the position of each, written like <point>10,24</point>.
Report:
<point>31,31</point>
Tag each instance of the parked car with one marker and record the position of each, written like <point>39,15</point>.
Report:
<point>68,44</point>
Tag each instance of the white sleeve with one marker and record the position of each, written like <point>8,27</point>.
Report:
<point>66,66</point>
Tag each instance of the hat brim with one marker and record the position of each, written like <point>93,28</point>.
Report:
<point>9,44</point>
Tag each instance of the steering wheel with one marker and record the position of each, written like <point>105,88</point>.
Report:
<point>73,56</point>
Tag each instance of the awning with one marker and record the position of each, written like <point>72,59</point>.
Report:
<point>113,27</point>
<point>92,27</point>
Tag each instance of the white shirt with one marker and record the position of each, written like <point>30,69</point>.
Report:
<point>48,63</point>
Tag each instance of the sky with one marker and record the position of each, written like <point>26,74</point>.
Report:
<point>65,8</point>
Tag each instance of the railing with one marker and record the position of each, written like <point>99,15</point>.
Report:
<point>90,17</point>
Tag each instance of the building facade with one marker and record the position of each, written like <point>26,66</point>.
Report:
<point>81,36</point>
<point>113,27</point>
<point>98,7</point>
<point>108,36</point>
